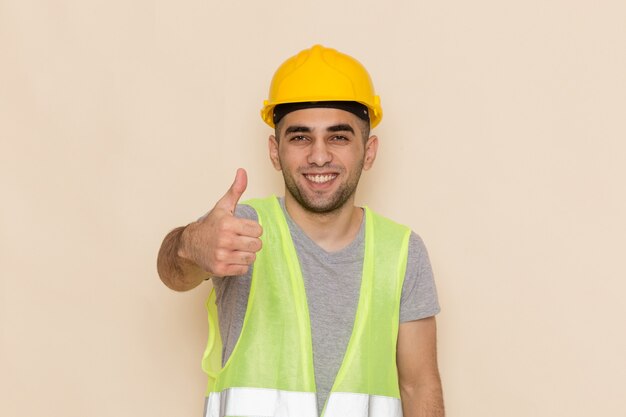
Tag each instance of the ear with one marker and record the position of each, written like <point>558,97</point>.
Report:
<point>371,147</point>
<point>273,148</point>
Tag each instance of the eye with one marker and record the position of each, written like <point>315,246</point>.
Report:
<point>340,138</point>
<point>298,138</point>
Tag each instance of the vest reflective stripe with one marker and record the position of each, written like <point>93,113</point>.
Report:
<point>274,351</point>
<point>261,402</point>
<point>350,404</point>
<point>264,402</point>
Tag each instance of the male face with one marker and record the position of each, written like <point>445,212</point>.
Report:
<point>321,152</point>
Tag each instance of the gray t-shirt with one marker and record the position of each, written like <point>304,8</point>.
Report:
<point>332,282</point>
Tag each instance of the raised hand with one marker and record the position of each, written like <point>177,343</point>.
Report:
<point>221,243</point>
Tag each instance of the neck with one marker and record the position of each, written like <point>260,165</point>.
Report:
<point>331,231</point>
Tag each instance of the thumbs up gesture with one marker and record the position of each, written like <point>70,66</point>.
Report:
<point>221,243</point>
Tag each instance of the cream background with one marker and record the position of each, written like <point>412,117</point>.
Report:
<point>502,145</point>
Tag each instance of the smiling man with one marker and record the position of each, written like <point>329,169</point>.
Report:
<point>320,307</point>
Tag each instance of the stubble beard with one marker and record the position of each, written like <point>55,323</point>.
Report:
<point>328,204</point>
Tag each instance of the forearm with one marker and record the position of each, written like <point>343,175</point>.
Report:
<point>418,372</point>
<point>176,272</point>
<point>424,400</point>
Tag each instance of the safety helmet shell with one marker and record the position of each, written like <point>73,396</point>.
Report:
<point>321,74</point>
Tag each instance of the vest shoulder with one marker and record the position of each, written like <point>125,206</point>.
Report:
<point>386,222</point>
<point>263,206</point>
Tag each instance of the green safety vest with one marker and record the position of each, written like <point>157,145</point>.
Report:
<point>270,371</point>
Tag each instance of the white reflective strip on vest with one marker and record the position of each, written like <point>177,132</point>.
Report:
<point>349,404</point>
<point>261,402</point>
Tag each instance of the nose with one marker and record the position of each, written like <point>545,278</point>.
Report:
<point>319,153</point>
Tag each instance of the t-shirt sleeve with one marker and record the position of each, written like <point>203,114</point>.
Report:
<point>419,294</point>
<point>245,211</point>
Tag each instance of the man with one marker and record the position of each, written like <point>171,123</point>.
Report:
<point>324,308</point>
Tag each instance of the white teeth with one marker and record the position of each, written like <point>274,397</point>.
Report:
<point>319,179</point>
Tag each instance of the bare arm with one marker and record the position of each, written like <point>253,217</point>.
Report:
<point>178,273</point>
<point>418,372</point>
<point>217,245</point>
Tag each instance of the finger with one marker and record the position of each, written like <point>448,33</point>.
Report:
<point>241,257</point>
<point>231,198</point>
<point>237,257</point>
<point>246,244</point>
<point>245,227</point>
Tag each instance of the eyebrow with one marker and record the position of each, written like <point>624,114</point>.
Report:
<point>297,129</point>
<point>342,127</point>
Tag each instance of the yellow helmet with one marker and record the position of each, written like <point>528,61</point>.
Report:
<point>321,74</point>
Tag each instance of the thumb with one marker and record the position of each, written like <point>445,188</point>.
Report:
<point>234,193</point>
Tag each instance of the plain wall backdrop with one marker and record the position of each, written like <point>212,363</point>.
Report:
<point>502,145</point>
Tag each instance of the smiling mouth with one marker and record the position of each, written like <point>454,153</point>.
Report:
<point>320,178</point>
